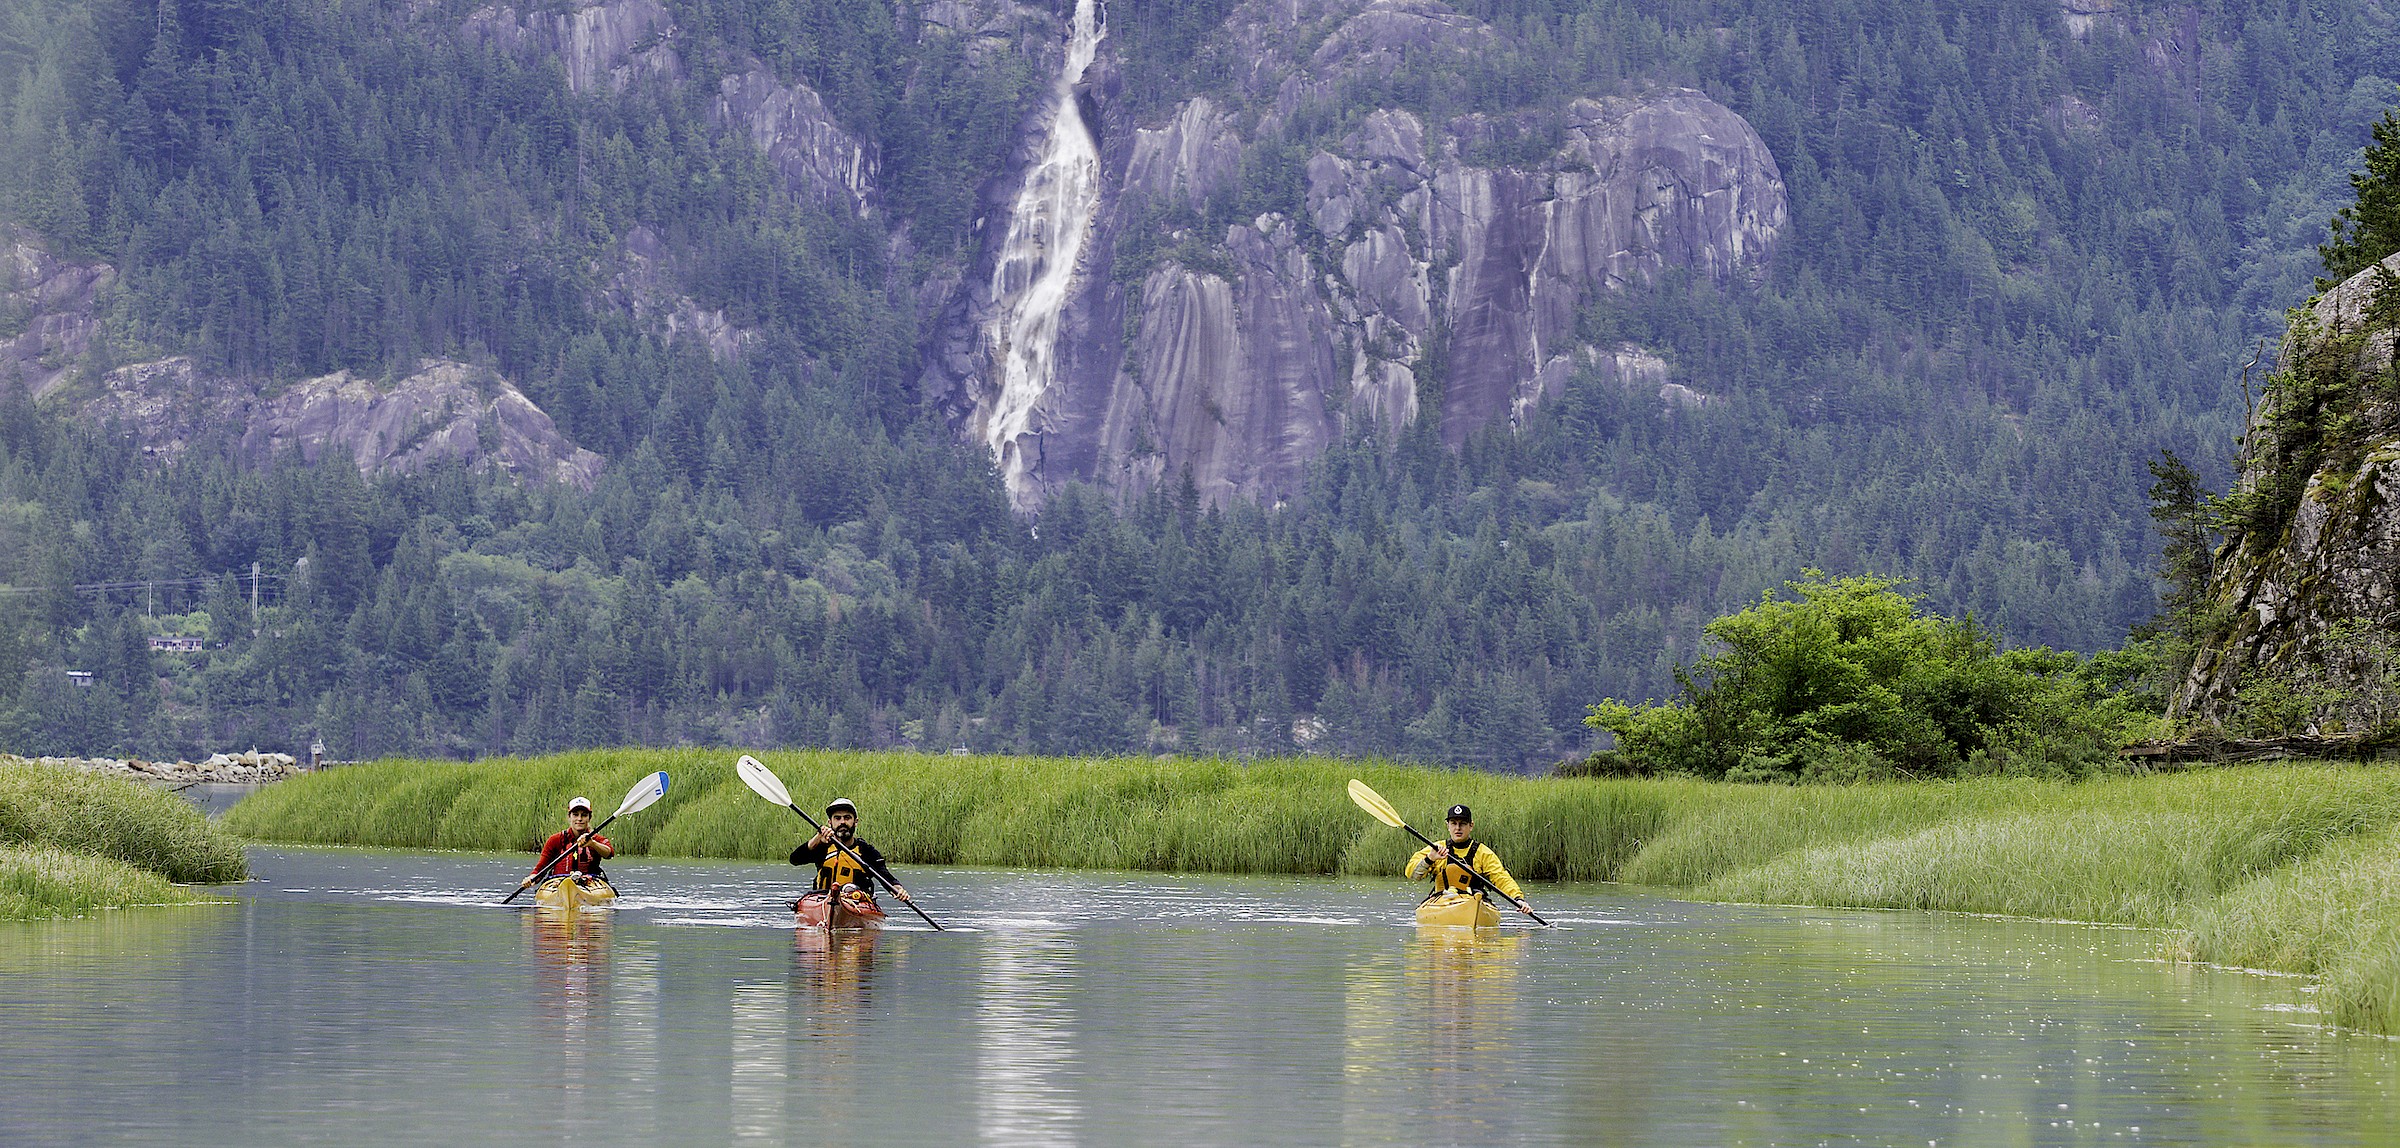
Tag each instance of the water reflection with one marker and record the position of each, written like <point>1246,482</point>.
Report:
<point>1026,1025</point>
<point>571,956</point>
<point>833,976</point>
<point>836,972</point>
<point>633,994</point>
<point>762,1075</point>
<point>1432,1035</point>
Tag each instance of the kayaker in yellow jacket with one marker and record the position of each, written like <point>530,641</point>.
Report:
<point>1449,861</point>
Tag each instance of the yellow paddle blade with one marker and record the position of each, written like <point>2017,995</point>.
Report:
<point>1375,805</point>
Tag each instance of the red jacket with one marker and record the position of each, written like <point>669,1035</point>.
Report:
<point>582,862</point>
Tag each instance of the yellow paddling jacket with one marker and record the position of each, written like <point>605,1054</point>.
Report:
<point>1450,875</point>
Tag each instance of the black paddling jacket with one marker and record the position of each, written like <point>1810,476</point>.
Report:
<point>835,869</point>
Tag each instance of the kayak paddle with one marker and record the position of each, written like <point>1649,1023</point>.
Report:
<point>763,782</point>
<point>1382,811</point>
<point>640,797</point>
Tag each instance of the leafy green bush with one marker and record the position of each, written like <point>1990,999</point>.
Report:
<point>1849,681</point>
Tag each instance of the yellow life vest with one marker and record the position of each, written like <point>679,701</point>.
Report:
<point>837,869</point>
<point>1456,875</point>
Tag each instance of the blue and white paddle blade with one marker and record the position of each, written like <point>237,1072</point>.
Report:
<point>645,791</point>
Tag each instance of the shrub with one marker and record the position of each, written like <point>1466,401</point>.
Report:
<point>1850,681</point>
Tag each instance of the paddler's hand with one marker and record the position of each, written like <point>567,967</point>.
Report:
<point>1524,907</point>
<point>901,893</point>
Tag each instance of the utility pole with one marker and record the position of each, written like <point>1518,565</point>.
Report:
<point>254,599</point>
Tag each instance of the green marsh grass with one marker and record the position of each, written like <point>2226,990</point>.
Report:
<point>2283,867</point>
<point>119,820</point>
<point>39,882</point>
<point>2334,915</point>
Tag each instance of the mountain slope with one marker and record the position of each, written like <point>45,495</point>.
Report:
<point>733,249</point>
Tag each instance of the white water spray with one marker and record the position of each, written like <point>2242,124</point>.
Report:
<point>1046,233</point>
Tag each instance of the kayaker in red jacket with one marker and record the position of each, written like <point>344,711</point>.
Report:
<point>584,849</point>
<point>835,869</point>
<point>1451,860</point>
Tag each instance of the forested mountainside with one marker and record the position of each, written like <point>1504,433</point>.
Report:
<point>344,292</point>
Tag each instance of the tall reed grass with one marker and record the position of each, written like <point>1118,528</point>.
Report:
<point>43,881</point>
<point>105,817</point>
<point>2286,867</point>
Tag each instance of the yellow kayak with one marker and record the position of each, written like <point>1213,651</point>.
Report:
<point>574,893</point>
<point>1458,910</point>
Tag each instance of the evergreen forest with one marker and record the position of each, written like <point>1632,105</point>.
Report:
<point>2024,258</point>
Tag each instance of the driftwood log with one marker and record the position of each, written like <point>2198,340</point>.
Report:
<point>2233,750</point>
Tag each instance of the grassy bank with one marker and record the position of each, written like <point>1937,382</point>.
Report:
<point>72,842</point>
<point>2288,867</point>
<point>40,881</point>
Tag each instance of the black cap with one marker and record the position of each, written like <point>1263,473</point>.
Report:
<point>1460,813</point>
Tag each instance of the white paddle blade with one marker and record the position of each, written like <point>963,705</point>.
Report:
<point>643,793</point>
<point>762,781</point>
<point>1374,804</point>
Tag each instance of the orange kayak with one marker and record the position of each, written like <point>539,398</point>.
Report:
<point>853,910</point>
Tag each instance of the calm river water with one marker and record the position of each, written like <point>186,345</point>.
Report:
<point>356,996</point>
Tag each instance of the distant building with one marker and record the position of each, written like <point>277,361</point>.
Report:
<point>80,677</point>
<point>178,645</point>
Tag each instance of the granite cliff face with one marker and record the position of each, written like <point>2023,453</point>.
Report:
<point>48,313</point>
<point>444,412</point>
<point>1240,350</point>
<point>2279,601</point>
<point>1121,323</point>
<point>606,47</point>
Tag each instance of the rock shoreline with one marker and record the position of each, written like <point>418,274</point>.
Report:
<point>252,768</point>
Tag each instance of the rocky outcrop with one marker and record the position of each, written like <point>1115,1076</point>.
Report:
<point>444,412</point>
<point>2281,603</point>
<point>1410,265</point>
<point>648,285</point>
<point>48,309</point>
<point>2081,16</point>
<point>252,768</point>
<point>611,45</point>
<point>790,126</point>
<point>604,45</point>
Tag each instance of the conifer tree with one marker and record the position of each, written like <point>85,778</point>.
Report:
<point>2369,230</point>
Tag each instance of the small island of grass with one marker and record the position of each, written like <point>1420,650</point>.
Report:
<point>73,843</point>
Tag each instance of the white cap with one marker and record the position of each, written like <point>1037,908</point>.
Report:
<point>839,803</point>
<point>582,803</point>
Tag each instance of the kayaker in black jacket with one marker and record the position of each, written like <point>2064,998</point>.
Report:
<point>835,869</point>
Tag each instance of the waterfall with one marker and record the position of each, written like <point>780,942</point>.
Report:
<point>1046,233</point>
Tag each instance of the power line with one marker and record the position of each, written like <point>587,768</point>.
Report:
<point>197,582</point>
